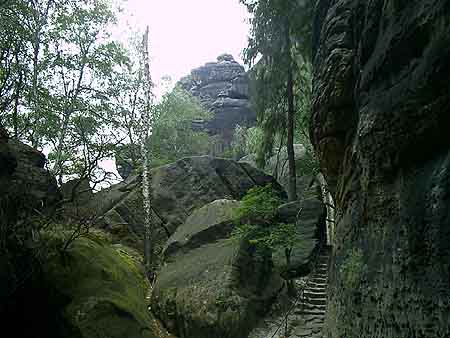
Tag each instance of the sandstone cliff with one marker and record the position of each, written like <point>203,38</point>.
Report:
<point>381,110</point>
<point>223,88</point>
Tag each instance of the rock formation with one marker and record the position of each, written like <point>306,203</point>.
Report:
<point>381,104</point>
<point>222,87</point>
<point>178,189</point>
<point>309,214</point>
<point>22,172</point>
<point>212,286</point>
<point>90,289</point>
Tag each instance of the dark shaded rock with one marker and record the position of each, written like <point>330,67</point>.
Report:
<point>178,189</point>
<point>93,290</point>
<point>288,212</point>
<point>222,87</point>
<point>212,286</point>
<point>225,57</point>
<point>22,172</point>
<point>8,163</point>
<point>77,190</point>
<point>309,214</point>
<point>381,104</point>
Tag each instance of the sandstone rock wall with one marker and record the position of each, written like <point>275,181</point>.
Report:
<point>381,111</point>
<point>223,88</point>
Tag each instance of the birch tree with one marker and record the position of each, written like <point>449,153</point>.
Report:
<point>146,129</point>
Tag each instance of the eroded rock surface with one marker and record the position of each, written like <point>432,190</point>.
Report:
<point>381,110</point>
<point>223,87</point>
<point>178,189</point>
<point>212,286</point>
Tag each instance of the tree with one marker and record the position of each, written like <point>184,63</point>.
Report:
<point>246,141</point>
<point>57,68</point>
<point>174,136</point>
<point>147,124</point>
<point>276,30</point>
<point>13,62</point>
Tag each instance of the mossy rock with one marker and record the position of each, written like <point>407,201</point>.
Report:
<point>212,286</point>
<point>104,290</point>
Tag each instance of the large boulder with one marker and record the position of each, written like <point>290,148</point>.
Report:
<point>381,111</point>
<point>91,290</point>
<point>212,286</point>
<point>177,190</point>
<point>223,88</point>
<point>209,223</point>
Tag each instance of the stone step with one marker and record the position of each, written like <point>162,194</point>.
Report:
<point>320,276</point>
<point>321,271</point>
<point>306,312</point>
<point>308,305</point>
<point>312,294</point>
<point>319,280</point>
<point>317,301</point>
<point>323,259</point>
<point>317,289</point>
<point>315,285</point>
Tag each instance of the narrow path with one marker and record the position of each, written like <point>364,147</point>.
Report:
<point>313,306</point>
<point>306,314</point>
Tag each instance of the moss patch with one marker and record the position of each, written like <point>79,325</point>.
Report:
<point>106,289</point>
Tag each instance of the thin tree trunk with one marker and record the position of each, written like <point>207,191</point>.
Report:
<point>146,157</point>
<point>34,84</point>
<point>16,101</point>
<point>292,193</point>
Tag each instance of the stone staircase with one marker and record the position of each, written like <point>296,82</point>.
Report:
<point>306,315</point>
<point>314,301</point>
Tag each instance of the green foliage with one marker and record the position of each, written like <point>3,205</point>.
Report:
<point>280,44</point>
<point>173,136</point>
<point>245,141</point>
<point>353,269</point>
<point>237,146</point>
<point>59,71</point>
<point>259,205</point>
<point>256,221</point>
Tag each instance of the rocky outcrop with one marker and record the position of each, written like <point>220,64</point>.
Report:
<point>223,88</point>
<point>380,117</point>
<point>212,286</point>
<point>23,174</point>
<point>178,189</point>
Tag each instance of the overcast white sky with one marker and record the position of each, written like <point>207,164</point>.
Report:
<point>185,34</point>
